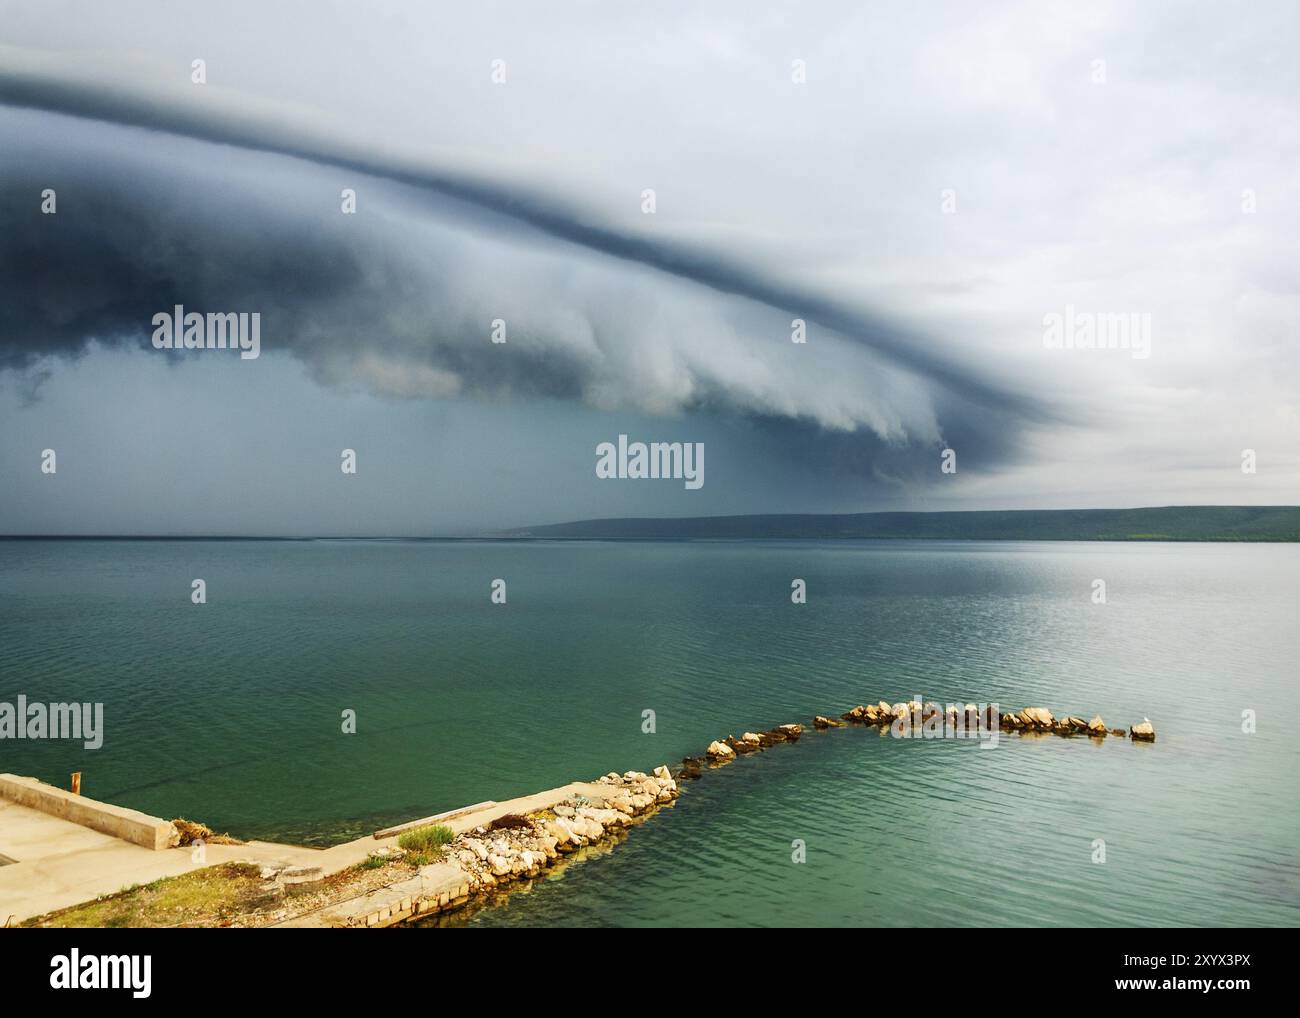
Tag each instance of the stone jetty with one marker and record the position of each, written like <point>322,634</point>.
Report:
<point>486,847</point>
<point>521,843</point>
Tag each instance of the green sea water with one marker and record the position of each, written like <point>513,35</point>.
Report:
<point>231,713</point>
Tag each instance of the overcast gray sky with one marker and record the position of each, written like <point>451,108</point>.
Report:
<point>922,184</point>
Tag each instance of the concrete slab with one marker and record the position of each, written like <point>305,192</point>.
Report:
<point>58,863</point>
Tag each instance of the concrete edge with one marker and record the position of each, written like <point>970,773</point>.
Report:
<point>116,821</point>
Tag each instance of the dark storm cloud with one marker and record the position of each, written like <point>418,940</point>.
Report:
<point>124,245</point>
<point>110,250</point>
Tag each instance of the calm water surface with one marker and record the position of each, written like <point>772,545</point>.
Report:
<point>230,713</point>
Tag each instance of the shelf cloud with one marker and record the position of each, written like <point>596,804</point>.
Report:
<point>402,298</point>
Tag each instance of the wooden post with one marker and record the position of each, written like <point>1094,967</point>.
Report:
<point>76,782</point>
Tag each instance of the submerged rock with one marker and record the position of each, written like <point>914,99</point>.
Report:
<point>692,767</point>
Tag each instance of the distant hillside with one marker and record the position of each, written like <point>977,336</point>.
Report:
<point>1166,523</point>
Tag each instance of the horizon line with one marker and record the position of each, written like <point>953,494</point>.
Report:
<point>516,533</point>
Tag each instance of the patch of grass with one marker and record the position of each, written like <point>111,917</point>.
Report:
<point>203,897</point>
<point>373,862</point>
<point>425,845</point>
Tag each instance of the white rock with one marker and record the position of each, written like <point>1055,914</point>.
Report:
<point>563,831</point>
<point>610,818</point>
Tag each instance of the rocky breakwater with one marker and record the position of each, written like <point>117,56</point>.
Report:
<point>914,717</point>
<point>521,845</point>
<point>515,847</point>
<point>1040,719</point>
<point>913,713</point>
<point>723,751</point>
